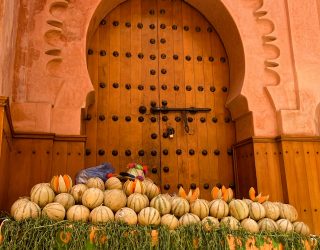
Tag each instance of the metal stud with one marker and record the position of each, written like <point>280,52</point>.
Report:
<point>212,88</point>
<point>165,152</point>
<point>204,152</point>
<point>214,119</point>
<point>151,12</point>
<point>165,118</point>
<point>186,28</point>
<point>101,152</point>
<point>128,54</point>
<point>175,57</point>
<point>216,152</point>
<point>152,41</point>
<point>164,102</point>
<point>164,87</point>
<point>188,58</point>
<point>88,151</point>
<point>153,57</point>
<point>163,71</point>
<point>102,85</point>
<point>199,58</point>
<point>154,170</point>
<point>163,56</point>
<point>177,119</point>
<point>166,186</point>
<point>162,11</point>
<point>114,152</point>
<point>152,26</point>
<point>224,89</point>
<point>190,119</point>
<point>115,85</point>
<point>128,118</point>
<point>203,119</point>
<point>127,152</point>
<point>229,151</point>
<point>153,104</point>
<point>103,22</point>
<point>191,152</point>
<point>222,59</point>
<point>102,117</point>
<point>162,40</point>
<point>140,119</point>
<point>174,27</point>
<point>193,186</point>
<point>176,87</point>
<point>153,152</point>
<point>128,86</point>
<point>141,153</point>
<point>153,119</point>
<point>142,109</point>
<point>219,185</point>
<point>209,29</point>
<point>211,59</point>
<point>152,72</point>
<point>227,119</point>
<point>115,118</point>
<point>178,151</point>
<point>115,53</point>
<point>188,88</point>
<point>198,29</point>
<point>206,186</point>
<point>90,51</point>
<point>140,25</point>
<point>200,88</point>
<point>88,117</point>
<point>232,186</point>
<point>103,53</point>
<point>152,87</point>
<point>115,23</point>
<point>128,24</point>
<point>140,87</point>
<point>165,135</point>
<point>154,136</point>
<point>166,169</point>
<point>162,26</point>
<point>140,55</point>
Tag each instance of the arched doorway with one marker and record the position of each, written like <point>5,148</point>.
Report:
<point>149,54</point>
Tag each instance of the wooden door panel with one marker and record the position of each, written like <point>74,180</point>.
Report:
<point>163,53</point>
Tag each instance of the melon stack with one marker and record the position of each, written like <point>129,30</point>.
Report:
<point>140,202</point>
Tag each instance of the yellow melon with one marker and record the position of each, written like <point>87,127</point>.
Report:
<point>288,212</point>
<point>250,225</point>
<point>95,182</point>
<point>209,223</point>
<point>26,210</point>
<point>149,216</point>
<point>200,208</point>
<point>238,209</point>
<point>272,210</point>
<point>285,226</point>
<point>92,198</point>
<point>115,199</point>
<point>77,192</point>
<point>179,206</point>
<point>152,190</point>
<point>65,199</point>
<point>54,211</point>
<point>188,219</point>
<point>256,211</point>
<point>161,203</point>
<point>61,184</point>
<point>137,202</point>
<point>113,183</point>
<point>301,228</point>
<point>42,195</point>
<point>267,224</point>
<point>230,222</point>
<point>136,186</point>
<point>126,215</point>
<point>78,213</point>
<point>218,208</point>
<point>170,220</point>
<point>17,203</point>
<point>101,214</point>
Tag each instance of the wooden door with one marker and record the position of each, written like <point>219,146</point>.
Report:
<point>160,53</point>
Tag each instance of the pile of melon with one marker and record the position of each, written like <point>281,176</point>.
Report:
<point>140,202</point>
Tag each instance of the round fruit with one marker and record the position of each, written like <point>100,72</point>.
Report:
<point>65,199</point>
<point>272,210</point>
<point>161,203</point>
<point>230,222</point>
<point>250,225</point>
<point>126,215</point>
<point>92,198</point>
<point>149,216</point>
<point>247,201</point>
<point>54,211</point>
<point>78,213</point>
<point>200,208</point>
<point>288,212</point>
<point>26,210</point>
<point>218,208</point>
<point>113,183</point>
<point>285,226</point>
<point>61,184</point>
<point>188,219</point>
<point>301,228</point>
<point>136,186</point>
<point>239,209</point>
<point>77,192</point>
<point>267,224</point>
<point>152,190</point>
<point>179,206</point>
<point>95,182</point>
<point>42,195</point>
<point>137,202</point>
<point>170,220</point>
<point>101,214</point>
<point>38,185</point>
<point>210,223</point>
<point>17,203</point>
<point>115,199</point>
<point>256,211</point>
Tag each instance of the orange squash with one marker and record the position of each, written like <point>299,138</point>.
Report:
<point>61,184</point>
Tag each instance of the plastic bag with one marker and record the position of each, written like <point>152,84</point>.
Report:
<point>100,171</point>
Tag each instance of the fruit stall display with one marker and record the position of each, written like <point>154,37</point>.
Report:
<point>133,214</point>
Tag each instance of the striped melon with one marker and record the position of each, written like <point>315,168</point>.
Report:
<point>25,210</point>
<point>161,203</point>
<point>95,182</point>
<point>218,208</point>
<point>301,228</point>
<point>92,198</point>
<point>61,184</point>
<point>113,183</point>
<point>115,199</point>
<point>188,219</point>
<point>285,226</point>
<point>54,211</point>
<point>78,213</point>
<point>136,186</point>
<point>247,201</point>
<point>149,216</point>
<point>209,223</point>
<point>126,215</point>
<point>152,190</point>
<point>230,222</point>
<point>250,225</point>
<point>179,206</point>
<point>42,195</point>
<point>17,203</point>
<point>200,208</point>
<point>272,210</point>
<point>77,192</point>
<point>267,224</point>
<point>137,202</point>
<point>288,212</point>
<point>65,199</point>
<point>238,209</point>
<point>170,220</point>
<point>101,214</point>
<point>256,211</point>
<point>38,185</point>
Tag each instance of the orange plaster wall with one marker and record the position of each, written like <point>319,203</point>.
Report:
<point>276,81</point>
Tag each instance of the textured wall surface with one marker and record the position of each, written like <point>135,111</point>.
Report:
<point>274,59</point>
